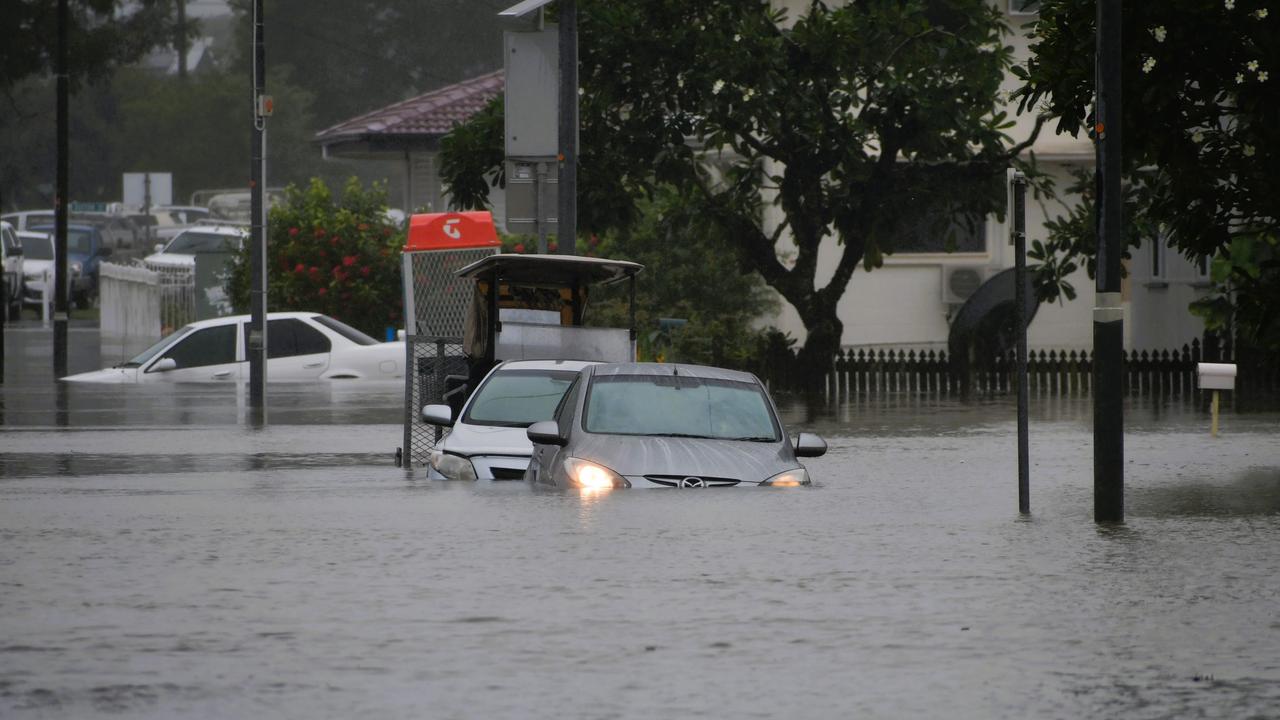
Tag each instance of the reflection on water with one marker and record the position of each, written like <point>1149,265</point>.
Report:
<point>162,560</point>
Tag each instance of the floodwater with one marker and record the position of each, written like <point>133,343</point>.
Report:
<point>160,559</point>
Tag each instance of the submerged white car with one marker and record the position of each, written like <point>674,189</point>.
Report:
<point>181,251</point>
<point>488,439</point>
<point>301,347</point>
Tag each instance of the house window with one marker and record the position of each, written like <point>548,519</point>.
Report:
<point>928,236</point>
<point>1202,268</point>
<point>1159,259</point>
<point>1024,7</point>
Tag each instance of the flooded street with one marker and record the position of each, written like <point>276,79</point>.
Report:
<point>160,559</point>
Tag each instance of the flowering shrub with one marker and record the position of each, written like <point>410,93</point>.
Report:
<point>340,258</point>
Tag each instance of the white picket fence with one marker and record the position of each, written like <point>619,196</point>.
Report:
<point>140,305</point>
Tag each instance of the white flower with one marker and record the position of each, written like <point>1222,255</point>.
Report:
<point>1198,137</point>
<point>1262,76</point>
<point>1230,4</point>
<point>748,94</point>
<point>1239,77</point>
<point>737,37</point>
<point>1252,65</point>
<point>1159,33</point>
<point>1248,151</point>
<point>1148,65</point>
<point>1260,14</point>
<point>715,89</point>
<point>680,81</point>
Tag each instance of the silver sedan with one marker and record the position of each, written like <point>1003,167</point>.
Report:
<point>667,425</point>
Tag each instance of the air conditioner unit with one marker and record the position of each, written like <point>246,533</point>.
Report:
<point>961,281</point>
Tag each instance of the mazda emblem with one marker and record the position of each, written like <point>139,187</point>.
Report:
<point>693,482</point>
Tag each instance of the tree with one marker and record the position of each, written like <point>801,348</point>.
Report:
<point>340,257</point>
<point>855,122</point>
<point>1201,129</point>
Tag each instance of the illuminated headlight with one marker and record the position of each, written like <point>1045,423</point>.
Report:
<point>586,474</point>
<point>453,466</point>
<point>790,478</point>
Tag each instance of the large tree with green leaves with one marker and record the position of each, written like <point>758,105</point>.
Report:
<point>1201,128</point>
<point>855,122</point>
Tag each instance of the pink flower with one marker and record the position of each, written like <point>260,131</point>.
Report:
<point>293,232</point>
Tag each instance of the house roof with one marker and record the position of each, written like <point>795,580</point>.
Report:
<point>425,117</point>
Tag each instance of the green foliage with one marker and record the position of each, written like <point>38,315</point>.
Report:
<point>1201,127</point>
<point>689,274</point>
<point>853,121</point>
<point>1247,290</point>
<point>337,257</point>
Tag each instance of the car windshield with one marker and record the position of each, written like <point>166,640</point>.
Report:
<point>154,350</point>
<point>679,406</point>
<point>79,240</point>
<point>195,243</point>
<point>37,248</point>
<point>345,330</point>
<point>518,398</point>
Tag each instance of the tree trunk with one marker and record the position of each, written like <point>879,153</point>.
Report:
<point>817,357</point>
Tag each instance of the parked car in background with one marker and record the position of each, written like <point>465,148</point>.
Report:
<point>86,246</point>
<point>11,258</point>
<point>200,239</point>
<point>487,439</point>
<point>118,231</point>
<point>301,347</point>
<point>38,267</point>
<point>667,425</point>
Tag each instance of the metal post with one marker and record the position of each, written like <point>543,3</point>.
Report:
<point>60,203</point>
<point>540,180</point>
<point>1108,315</point>
<point>1020,313</point>
<point>182,39</point>
<point>257,349</point>
<point>567,180</point>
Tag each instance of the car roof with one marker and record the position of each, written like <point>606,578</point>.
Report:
<point>669,369</point>
<point>70,226</point>
<point>572,365</point>
<point>230,319</point>
<point>216,229</point>
<point>560,270</point>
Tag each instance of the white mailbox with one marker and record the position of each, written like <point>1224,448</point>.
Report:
<point>1216,376</point>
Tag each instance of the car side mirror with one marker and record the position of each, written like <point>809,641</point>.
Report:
<point>546,432</point>
<point>164,365</point>
<point>437,415</point>
<point>810,445</point>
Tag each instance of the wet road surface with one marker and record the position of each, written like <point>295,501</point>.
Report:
<point>160,559</point>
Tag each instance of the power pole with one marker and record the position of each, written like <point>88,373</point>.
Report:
<point>567,209</point>
<point>182,39</point>
<point>1108,315</point>
<point>60,202</point>
<point>257,349</point>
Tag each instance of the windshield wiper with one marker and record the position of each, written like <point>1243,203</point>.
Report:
<point>755,438</point>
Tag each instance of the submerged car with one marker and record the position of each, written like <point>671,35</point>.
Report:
<point>667,425</point>
<point>181,251</point>
<point>301,347</point>
<point>38,266</point>
<point>487,441</point>
<point>86,248</point>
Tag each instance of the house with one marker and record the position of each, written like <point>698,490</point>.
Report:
<point>923,284</point>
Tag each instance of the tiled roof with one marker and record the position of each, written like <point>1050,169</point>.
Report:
<point>434,113</point>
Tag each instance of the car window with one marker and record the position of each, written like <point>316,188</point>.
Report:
<point>345,330</point>
<point>209,346</point>
<point>672,405</point>
<point>289,337</point>
<point>11,246</point>
<point>79,240</point>
<point>40,248</point>
<point>518,398</point>
<point>194,243</point>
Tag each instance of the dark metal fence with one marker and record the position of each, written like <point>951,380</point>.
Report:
<point>1049,372</point>
<point>436,367</point>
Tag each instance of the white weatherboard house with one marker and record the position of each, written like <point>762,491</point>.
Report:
<point>924,287</point>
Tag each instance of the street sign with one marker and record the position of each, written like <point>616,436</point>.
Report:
<point>136,190</point>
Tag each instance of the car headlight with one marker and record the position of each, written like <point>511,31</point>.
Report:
<point>586,474</point>
<point>76,268</point>
<point>790,478</point>
<point>33,277</point>
<point>453,467</point>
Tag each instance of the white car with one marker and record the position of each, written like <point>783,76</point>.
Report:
<point>488,439</point>
<point>181,251</point>
<point>11,259</point>
<point>301,347</point>
<point>38,264</point>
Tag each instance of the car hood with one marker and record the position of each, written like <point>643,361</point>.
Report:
<point>115,375</point>
<point>170,259</point>
<point>636,456</point>
<point>469,440</point>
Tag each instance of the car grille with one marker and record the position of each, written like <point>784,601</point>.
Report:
<point>691,481</point>
<point>501,473</point>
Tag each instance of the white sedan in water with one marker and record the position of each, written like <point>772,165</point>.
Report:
<point>301,347</point>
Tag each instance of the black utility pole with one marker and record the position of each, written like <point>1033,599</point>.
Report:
<point>1108,315</point>
<point>60,203</point>
<point>1020,315</point>
<point>182,39</point>
<point>567,209</point>
<point>258,269</point>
